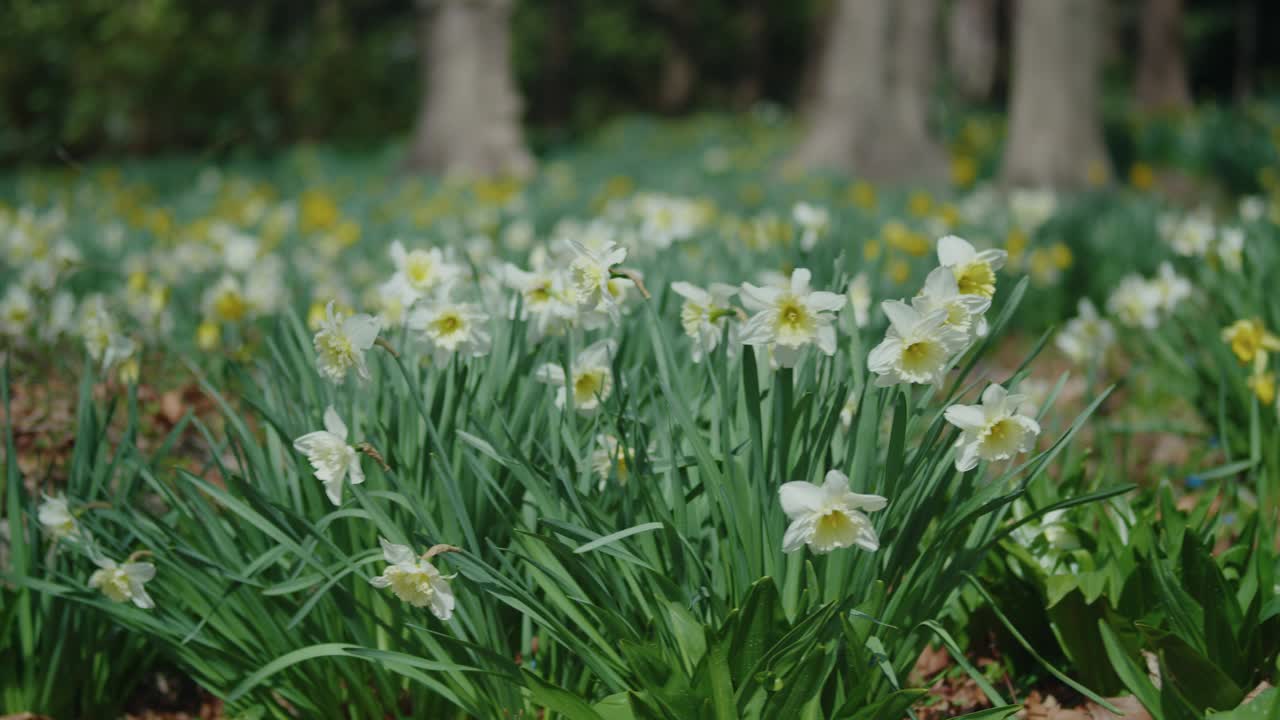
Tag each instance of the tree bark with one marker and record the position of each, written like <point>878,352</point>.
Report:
<point>875,80</point>
<point>1055,123</point>
<point>972,47</point>
<point>469,121</point>
<point>1162,69</point>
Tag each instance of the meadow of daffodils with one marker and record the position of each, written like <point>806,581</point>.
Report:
<point>679,437</point>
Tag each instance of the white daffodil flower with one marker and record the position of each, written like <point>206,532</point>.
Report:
<point>787,320</point>
<point>612,457</point>
<point>1136,302</point>
<point>332,458</point>
<point>423,270</point>
<point>341,343</point>
<point>17,310</point>
<point>826,517</point>
<point>415,580</point>
<point>917,348</point>
<point>1230,248</point>
<point>452,329</point>
<point>704,314</point>
<point>814,222</point>
<point>860,299</point>
<point>964,312</point>
<point>998,429</point>
<point>1170,287</point>
<point>1191,236</point>
<point>975,271</point>
<point>592,378</point>
<point>589,274</point>
<point>546,305</point>
<point>57,518</point>
<point>1087,336</point>
<point>124,582</point>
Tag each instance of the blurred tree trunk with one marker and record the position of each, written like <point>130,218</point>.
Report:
<point>469,119</point>
<point>1162,70</point>
<point>751,21</point>
<point>875,79</point>
<point>1246,49</point>
<point>679,70</point>
<point>972,47</point>
<point>1055,122</point>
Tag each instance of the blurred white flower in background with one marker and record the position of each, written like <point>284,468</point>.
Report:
<point>590,381</point>
<point>704,314</point>
<point>814,223</point>
<point>1087,336</point>
<point>451,329</point>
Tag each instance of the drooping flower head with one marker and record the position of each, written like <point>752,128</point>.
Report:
<point>590,271</point>
<point>415,580</point>
<point>330,456</point>
<point>828,516</point>
<point>341,343</point>
<point>57,518</point>
<point>998,429</point>
<point>123,582</point>
<point>1087,336</point>
<point>704,314</point>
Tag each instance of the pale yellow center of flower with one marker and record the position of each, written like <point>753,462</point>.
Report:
<point>976,278</point>
<point>412,586</point>
<point>586,277</point>
<point>447,324</point>
<point>921,356</point>
<point>419,269</point>
<point>1002,437</point>
<point>795,325</point>
<point>586,385</point>
<point>114,584</point>
<point>335,349</point>
<point>230,306</point>
<point>539,295</point>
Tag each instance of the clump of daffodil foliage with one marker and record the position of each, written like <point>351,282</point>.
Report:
<point>707,443</point>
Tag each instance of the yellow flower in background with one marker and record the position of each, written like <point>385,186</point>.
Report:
<point>863,195</point>
<point>1061,254</point>
<point>347,234</point>
<point>1016,245</point>
<point>209,336</point>
<point>949,214</point>
<point>899,271</point>
<point>1263,385</point>
<point>964,170</point>
<point>871,250</point>
<point>1248,338</point>
<point>920,203</point>
<point>129,371</point>
<point>1141,176</point>
<point>318,210</point>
